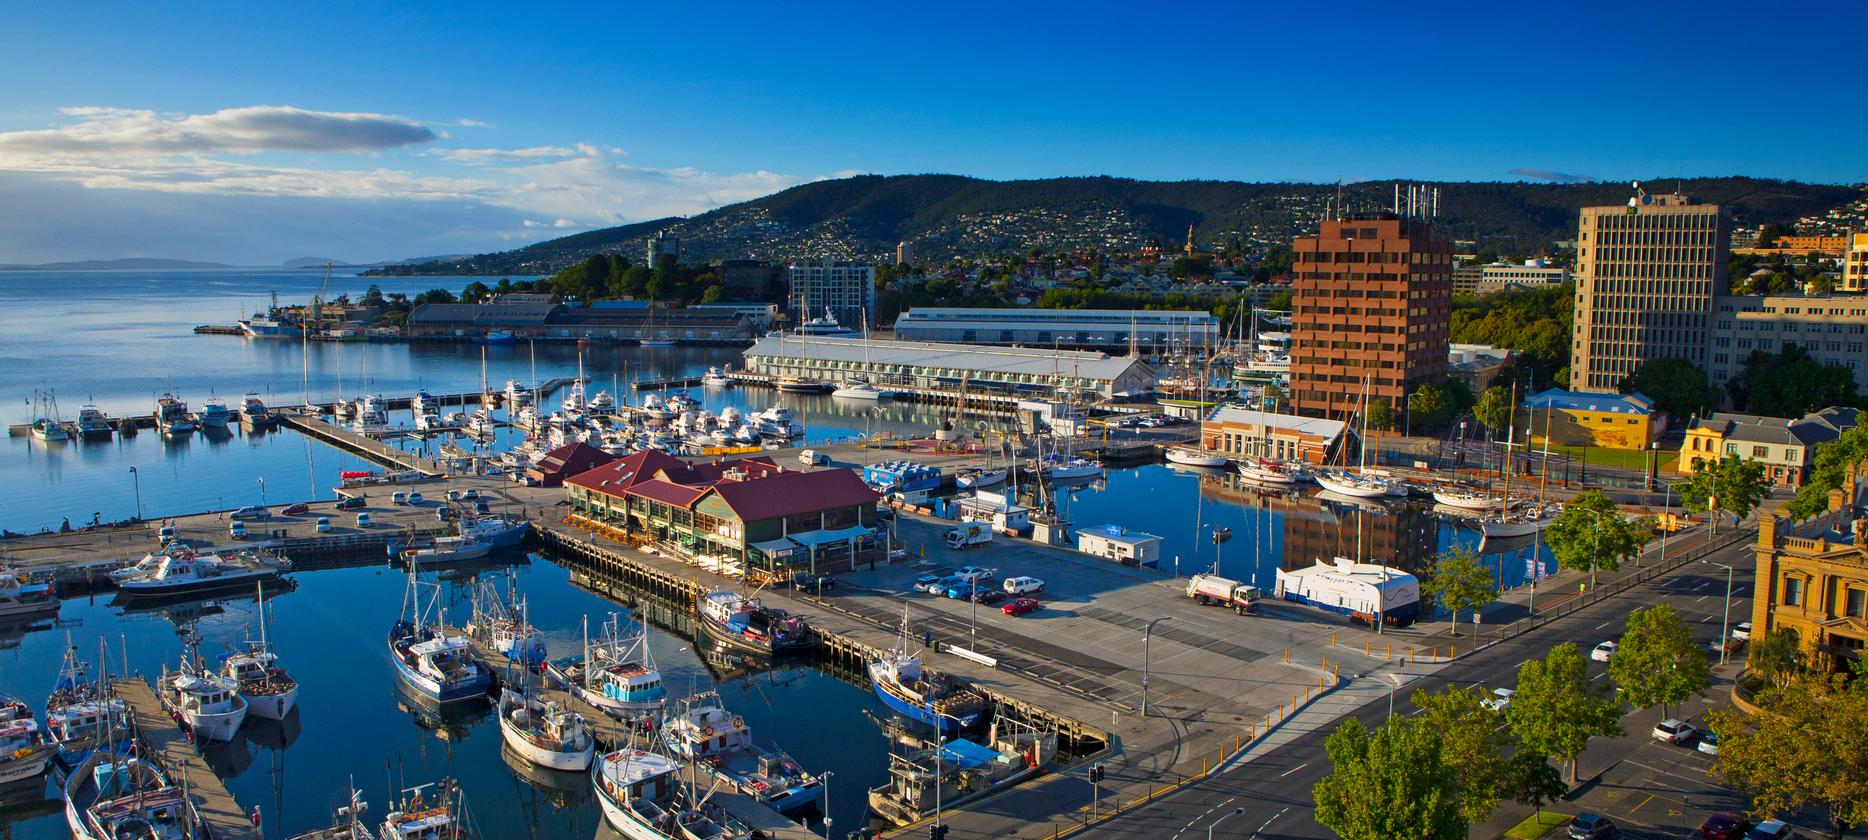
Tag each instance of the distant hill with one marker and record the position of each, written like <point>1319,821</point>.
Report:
<point>140,263</point>
<point>940,216</point>
<point>316,262</point>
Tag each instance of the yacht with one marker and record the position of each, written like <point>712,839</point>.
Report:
<point>616,675</point>
<point>424,402</point>
<point>800,385</point>
<point>979,478</point>
<point>643,799</point>
<point>93,422</point>
<point>172,416</point>
<point>602,404</point>
<point>545,733</point>
<point>1060,468</point>
<point>826,325</point>
<point>114,797</point>
<point>439,667</point>
<point>1190,457</point>
<point>777,421</point>
<point>270,692</point>
<point>713,378</point>
<point>23,600</point>
<point>1522,522</point>
<point>209,706</point>
<point>1353,484</point>
<point>370,415</point>
<point>1261,471</point>
<point>516,395</point>
<point>214,414</point>
<point>253,412</point>
<point>701,731</point>
<point>921,693</point>
<point>859,389</point>
<point>186,571</point>
<point>745,623</point>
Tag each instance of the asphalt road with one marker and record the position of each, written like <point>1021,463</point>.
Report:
<point>1652,789</point>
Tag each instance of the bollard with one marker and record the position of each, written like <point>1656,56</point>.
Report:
<point>1365,648</point>
<point>1332,638</point>
<point>1450,652</point>
<point>1390,653</point>
<point>1235,743</point>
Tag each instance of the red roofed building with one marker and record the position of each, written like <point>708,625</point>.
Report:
<point>748,512</point>
<point>566,461</point>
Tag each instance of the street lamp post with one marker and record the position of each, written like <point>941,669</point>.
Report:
<point>136,482</point>
<point>972,643</point>
<point>940,747</point>
<point>262,491</point>
<point>1147,637</point>
<point>1222,818</point>
<point>1391,694</point>
<point>1725,621</point>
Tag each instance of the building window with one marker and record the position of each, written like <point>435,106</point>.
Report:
<point>1857,603</point>
<point>1760,451</point>
<point>1793,592</point>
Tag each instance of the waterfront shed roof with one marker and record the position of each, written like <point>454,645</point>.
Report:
<point>1005,360</point>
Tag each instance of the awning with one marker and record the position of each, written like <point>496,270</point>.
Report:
<point>813,539</point>
<point>776,548</point>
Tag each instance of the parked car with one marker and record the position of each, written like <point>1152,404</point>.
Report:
<point>973,572</point>
<point>1769,830</point>
<point>348,502</point>
<point>1500,699</point>
<point>1020,606</point>
<point>249,512</point>
<point>989,596</point>
<point>480,506</point>
<point>813,583</point>
<point>940,586</point>
<point>415,498</point>
<point>1023,585</point>
<point>324,524</point>
<point>363,520</point>
<point>1587,826</point>
<point>962,590</point>
<point>922,582</point>
<point>1708,742</point>
<point>1742,632</point>
<point>295,509</point>
<point>1674,731</point>
<point>1724,825</point>
<point>1603,652</point>
<point>399,498</point>
<point>237,530</point>
<point>470,493</point>
<point>454,495</point>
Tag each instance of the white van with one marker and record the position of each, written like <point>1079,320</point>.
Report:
<point>813,458</point>
<point>1023,585</point>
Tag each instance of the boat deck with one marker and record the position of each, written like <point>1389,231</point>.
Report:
<point>164,743</point>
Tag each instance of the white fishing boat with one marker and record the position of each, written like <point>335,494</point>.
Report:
<point>214,414</point>
<point>24,751</point>
<point>24,600</point>
<point>979,478</point>
<point>545,733</point>
<point>270,692</point>
<point>643,799</point>
<point>172,416</point>
<point>446,551</point>
<point>209,706</point>
<point>46,425</point>
<point>253,412</point>
<point>347,826</point>
<point>1465,499</point>
<point>94,423</point>
<point>615,674</point>
<point>701,731</point>
<point>82,716</point>
<point>184,570</point>
<point>1191,457</point>
<point>422,815</point>
<point>114,797</point>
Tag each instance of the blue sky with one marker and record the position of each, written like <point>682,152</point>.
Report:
<point>257,132</point>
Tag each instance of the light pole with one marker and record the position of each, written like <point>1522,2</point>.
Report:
<point>1222,818</point>
<point>136,482</point>
<point>972,643</point>
<point>262,491</point>
<point>940,747</point>
<point>1391,694</point>
<point>1726,620</point>
<point>824,779</point>
<point>1147,637</point>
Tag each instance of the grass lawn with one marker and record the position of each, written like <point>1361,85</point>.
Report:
<point>1627,459</point>
<point>1537,825</point>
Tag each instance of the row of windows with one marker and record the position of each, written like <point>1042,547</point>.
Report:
<point>1854,599</point>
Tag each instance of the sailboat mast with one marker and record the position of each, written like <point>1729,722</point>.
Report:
<point>1511,438</point>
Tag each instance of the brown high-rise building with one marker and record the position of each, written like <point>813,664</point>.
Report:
<point>1371,300</point>
<point>1646,274</point>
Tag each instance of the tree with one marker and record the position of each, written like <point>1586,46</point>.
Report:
<point>1530,780</point>
<point>1494,409</point>
<point>1657,662</point>
<point>1791,384</point>
<point>1832,462</point>
<point>1430,406</point>
<point>1381,414</point>
<point>476,292</point>
<point>1591,533</point>
<point>1808,747</point>
<point>1471,742</point>
<point>1558,709</point>
<point>1675,385</point>
<point>1390,784</point>
<point>1459,581</point>
<point>1732,484</point>
<point>1776,656</point>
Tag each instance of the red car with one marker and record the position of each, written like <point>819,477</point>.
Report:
<point>1724,825</point>
<point>1020,606</point>
<point>298,509</point>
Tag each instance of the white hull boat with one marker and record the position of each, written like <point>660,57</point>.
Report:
<point>1353,484</point>
<point>1190,457</point>
<point>542,733</point>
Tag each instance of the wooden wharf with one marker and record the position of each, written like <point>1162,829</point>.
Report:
<point>164,743</point>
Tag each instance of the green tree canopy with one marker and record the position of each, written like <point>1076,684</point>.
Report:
<point>1657,662</point>
<point>1472,742</point>
<point>1558,709</point>
<point>1676,386</point>
<point>1430,407</point>
<point>1460,581</point>
<point>1592,534</point>
<point>1494,409</point>
<point>1531,780</point>
<point>1776,656</point>
<point>1534,323</point>
<point>1381,414</point>
<point>1791,384</point>
<point>1809,747</point>
<point>1734,485</point>
<point>1831,468</point>
<point>1390,784</point>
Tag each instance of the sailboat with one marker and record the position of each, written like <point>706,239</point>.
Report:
<point>616,674</point>
<point>654,339</point>
<point>798,384</point>
<point>859,387</point>
<point>270,692</point>
<point>1360,483</point>
<point>1521,522</point>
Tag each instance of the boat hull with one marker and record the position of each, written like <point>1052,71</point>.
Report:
<point>625,822</point>
<point>724,634</point>
<point>919,712</point>
<point>454,691</point>
<point>1503,529</point>
<point>1352,489</point>
<point>1195,459</point>
<point>271,706</point>
<point>224,581</point>
<point>624,709</point>
<point>29,766</point>
<point>576,762</point>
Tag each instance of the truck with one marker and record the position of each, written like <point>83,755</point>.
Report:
<point>1226,592</point>
<point>969,534</point>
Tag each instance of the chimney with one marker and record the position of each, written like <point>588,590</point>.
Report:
<point>1838,498</point>
<point>1767,531</point>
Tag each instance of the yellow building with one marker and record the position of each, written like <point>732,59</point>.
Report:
<point>1855,264</point>
<point>1812,577</point>
<point>1784,448</point>
<point>1794,245</point>
<point>1611,421</point>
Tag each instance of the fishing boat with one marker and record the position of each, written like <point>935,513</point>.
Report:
<point>496,531</point>
<point>545,733</point>
<point>445,551</point>
<point>171,416</point>
<point>348,824</point>
<point>254,414</point>
<point>93,422</point>
<point>615,674</point>
<point>1366,592</point>
<point>24,600</point>
<point>184,570</point>
<point>503,624</point>
<point>1191,457</point>
<point>979,478</point>
<point>1465,499</point>
<point>439,667</point>
<point>82,716</point>
<point>46,425</point>
<point>745,623</point>
<point>25,753</point>
<point>208,706</point>
<point>643,799</point>
<point>270,692</point>
<point>713,378</point>
<point>115,797</point>
<point>921,693</point>
<point>214,414</point>
<point>960,771</point>
<point>420,816</point>
<point>701,731</point>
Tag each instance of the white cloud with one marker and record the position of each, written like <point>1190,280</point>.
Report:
<point>485,156</point>
<point>122,132</point>
<point>472,123</point>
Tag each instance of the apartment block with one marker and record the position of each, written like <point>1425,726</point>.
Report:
<point>1646,276</point>
<point>1855,264</point>
<point>845,289</point>
<point>1833,329</point>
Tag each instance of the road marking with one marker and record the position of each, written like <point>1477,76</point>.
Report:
<point>1294,769</point>
<point>1605,624</point>
<point>1274,818</point>
<point>1701,598</point>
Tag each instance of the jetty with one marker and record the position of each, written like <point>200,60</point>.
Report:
<point>164,743</point>
<point>361,444</point>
